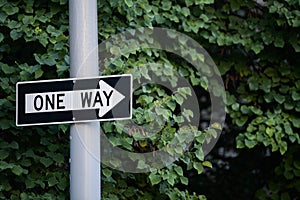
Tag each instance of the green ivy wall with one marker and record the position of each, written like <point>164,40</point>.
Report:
<point>255,45</point>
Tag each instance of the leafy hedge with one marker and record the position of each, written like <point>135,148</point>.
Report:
<point>33,45</point>
<point>255,44</point>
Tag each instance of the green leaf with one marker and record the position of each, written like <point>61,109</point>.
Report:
<point>230,99</point>
<point>115,162</point>
<point>24,196</point>
<point>46,161</point>
<point>178,149</point>
<point>185,91</point>
<point>7,69</point>
<point>279,98</point>
<point>26,163</point>
<point>283,147</point>
<point>129,3</point>
<point>3,154</point>
<point>253,84</point>
<point>29,184</point>
<point>17,170</point>
<point>154,178</point>
<point>244,109</point>
<point>108,127</point>
<point>13,145</point>
<point>288,129</point>
<point>63,127</point>
<point>5,124</point>
<point>181,137</point>
<point>166,5</point>
<point>270,131</point>
<point>178,98</point>
<point>296,122</point>
<point>52,181</point>
<point>292,138</point>
<point>240,144</point>
<point>15,34</point>
<point>270,122</point>
<point>217,126</point>
<point>168,69</point>
<point>164,112</point>
<point>204,83</point>
<point>207,164</point>
<point>199,154</point>
<point>198,166</point>
<point>63,183</point>
<point>256,110</point>
<point>106,172</point>
<point>38,73</point>
<point>141,163</point>
<point>3,2</point>
<point>171,179</point>
<point>59,158</point>
<point>185,11</point>
<point>250,143</point>
<point>5,165</point>
<point>1,37</point>
<point>187,113</point>
<point>212,132</point>
<point>178,170</point>
<point>184,180</point>
<point>289,105</point>
<point>235,106</point>
<point>171,105</point>
<point>297,83</point>
<point>9,9</point>
<point>295,96</point>
<point>257,48</point>
<point>241,121</point>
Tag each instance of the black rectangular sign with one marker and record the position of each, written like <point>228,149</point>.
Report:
<point>74,100</point>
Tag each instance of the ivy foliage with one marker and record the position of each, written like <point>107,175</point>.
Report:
<point>33,45</point>
<point>255,44</point>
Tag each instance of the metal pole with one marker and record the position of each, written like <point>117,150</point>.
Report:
<point>85,137</point>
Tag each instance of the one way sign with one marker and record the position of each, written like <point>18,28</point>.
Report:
<point>74,100</point>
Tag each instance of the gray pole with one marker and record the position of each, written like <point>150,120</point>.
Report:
<point>85,137</point>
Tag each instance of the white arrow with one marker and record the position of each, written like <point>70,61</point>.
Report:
<point>115,98</point>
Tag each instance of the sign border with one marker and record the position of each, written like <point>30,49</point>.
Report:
<point>74,79</point>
